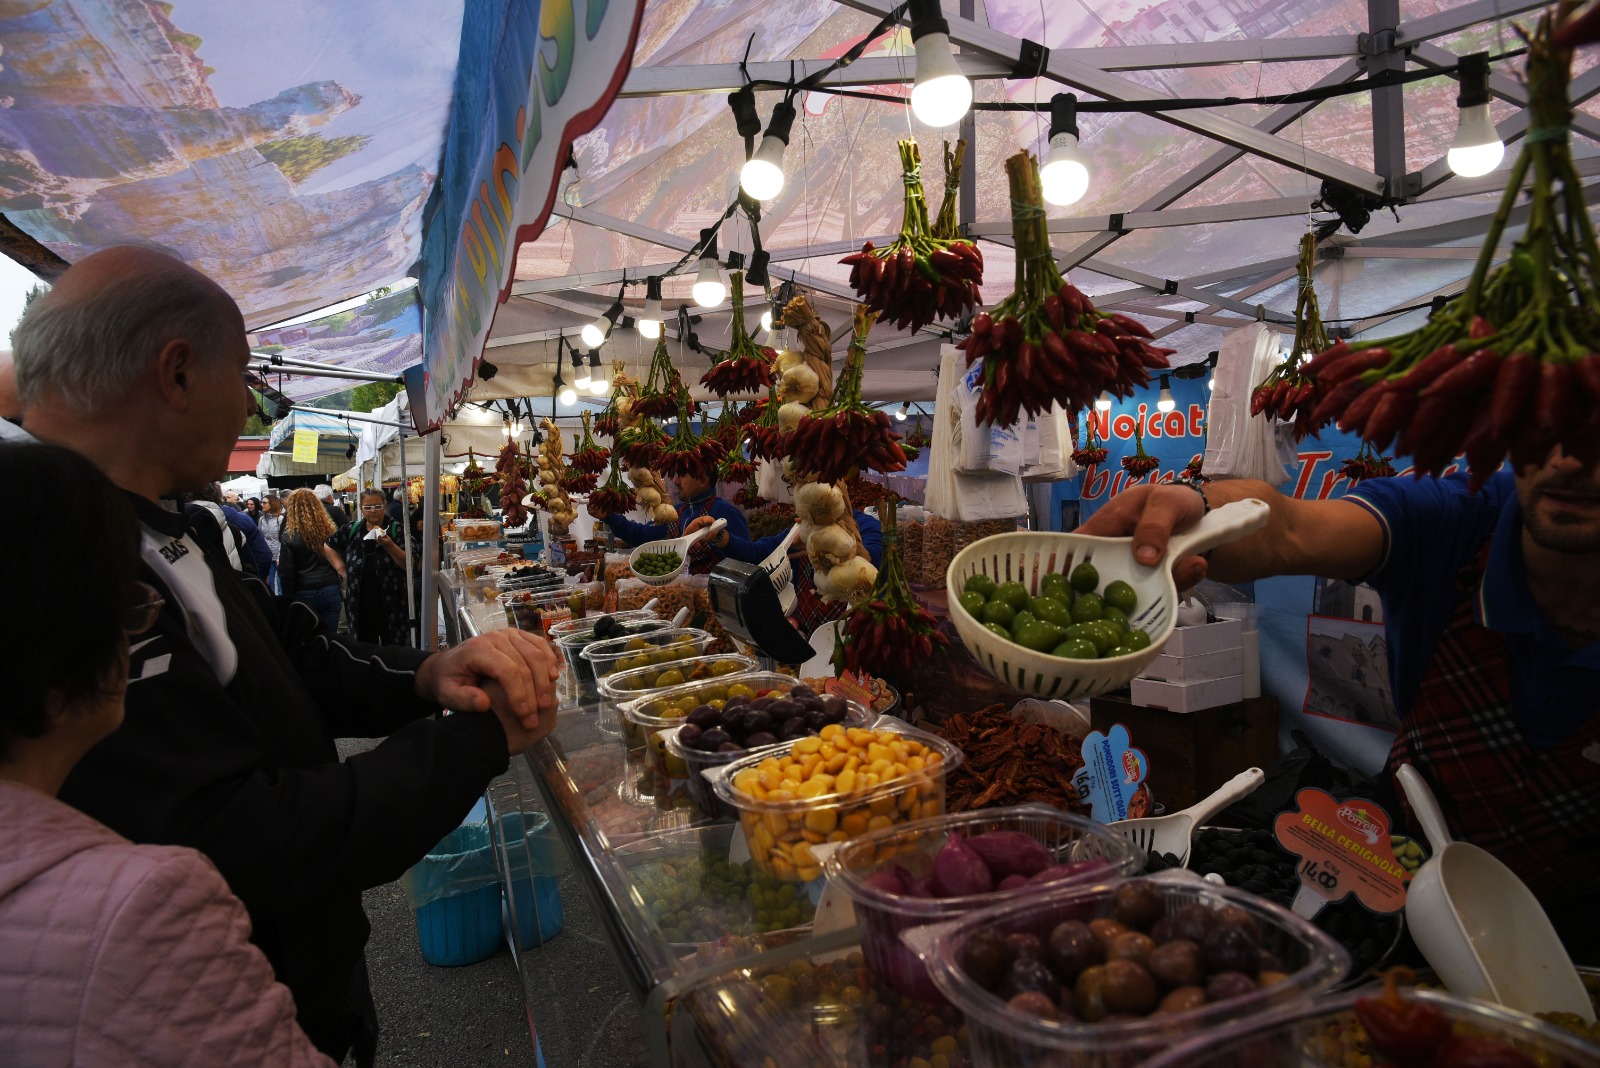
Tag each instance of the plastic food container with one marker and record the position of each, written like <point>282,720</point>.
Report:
<point>645,710</point>
<point>1326,1034</point>
<point>695,761</point>
<point>656,649</point>
<point>780,833</point>
<point>585,627</point>
<point>477,529</point>
<point>882,915</point>
<point>535,611</point>
<point>1003,1036</point>
<point>573,643</point>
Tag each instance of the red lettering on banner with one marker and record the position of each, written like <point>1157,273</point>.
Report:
<point>1097,483</point>
<point>1196,415</point>
<point>1123,426</point>
<point>1308,465</point>
<point>1173,425</point>
<point>1101,421</point>
<point>1153,427</point>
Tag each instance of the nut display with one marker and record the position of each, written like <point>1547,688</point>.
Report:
<point>1071,617</point>
<point>831,787</point>
<point>658,563</point>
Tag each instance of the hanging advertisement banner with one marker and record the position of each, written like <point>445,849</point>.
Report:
<point>531,78</point>
<point>305,446</point>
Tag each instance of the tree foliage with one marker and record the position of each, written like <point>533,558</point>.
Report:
<point>301,157</point>
<point>370,396</point>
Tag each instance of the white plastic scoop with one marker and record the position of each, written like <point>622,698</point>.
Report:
<point>777,567</point>
<point>1027,557</point>
<point>1480,927</point>
<point>670,545</point>
<point>1174,833</point>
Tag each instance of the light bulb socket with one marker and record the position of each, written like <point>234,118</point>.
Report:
<point>757,274</point>
<point>1063,115</point>
<point>745,116</point>
<point>594,360</point>
<point>708,251</point>
<point>652,290</point>
<point>926,18</point>
<point>782,121</point>
<point>1473,74</point>
<point>736,261</point>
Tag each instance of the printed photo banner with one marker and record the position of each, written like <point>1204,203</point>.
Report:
<point>532,77</point>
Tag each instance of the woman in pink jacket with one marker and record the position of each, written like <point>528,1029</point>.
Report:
<point>110,953</point>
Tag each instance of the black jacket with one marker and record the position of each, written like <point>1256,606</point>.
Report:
<point>247,772</point>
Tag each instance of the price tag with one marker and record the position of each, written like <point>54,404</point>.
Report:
<point>850,688</point>
<point>1111,773</point>
<point>1344,849</point>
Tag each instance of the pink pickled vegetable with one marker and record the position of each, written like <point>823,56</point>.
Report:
<point>1012,881</point>
<point>1010,853</point>
<point>915,885</point>
<point>959,871</point>
<point>887,881</point>
<point>1075,869</point>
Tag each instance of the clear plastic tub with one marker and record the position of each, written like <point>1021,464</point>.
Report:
<point>696,761</point>
<point>656,649</point>
<point>585,627</point>
<point>646,710</point>
<point>882,914</point>
<point>1003,1036</point>
<point>477,529</point>
<point>536,611</point>
<point>780,833</point>
<point>574,642</point>
<point>1326,1034</point>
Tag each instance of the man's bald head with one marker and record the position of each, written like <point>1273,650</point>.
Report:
<point>101,326</point>
<point>10,402</point>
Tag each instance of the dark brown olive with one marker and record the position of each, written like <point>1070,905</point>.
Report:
<point>730,747</point>
<point>711,739</point>
<point>1068,1007</point>
<point>1126,987</point>
<point>1191,922</point>
<point>986,957</point>
<point>1021,944</point>
<point>1225,985</point>
<point>1165,929</point>
<point>1031,974</point>
<point>1234,916</point>
<point>1139,904</point>
<point>800,689</point>
<point>1105,932</point>
<point>1072,949</point>
<point>1088,994</point>
<point>1177,963</point>
<point>688,734</point>
<point>1228,948</point>
<point>1132,946</point>
<point>1183,999</point>
<point>1035,1004</point>
<point>760,738</point>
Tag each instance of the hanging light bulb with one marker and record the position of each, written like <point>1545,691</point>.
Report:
<point>581,378</point>
<point>599,387</point>
<point>649,324</point>
<point>594,335</point>
<point>1102,403</point>
<point>942,94</point>
<point>761,177</point>
<point>766,320</point>
<point>904,410</point>
<point>1164,402</point>
<point>1477,148</point>
<point>1211,383</point>
<point>597,376</point>
<point>1064,178</point>
<point>709,288</point>
<point>563,392</point>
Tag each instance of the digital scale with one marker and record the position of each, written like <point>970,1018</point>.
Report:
<point>748,606</point>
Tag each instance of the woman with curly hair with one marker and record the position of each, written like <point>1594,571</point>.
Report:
<point>308,566</point>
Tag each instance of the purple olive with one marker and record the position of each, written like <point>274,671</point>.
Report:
<point>760,738</point>
<point>688,734</point>
<point>816,720</point>
<point>794,727</point>
<point>783,708</point>
<point>800,689</point>
<point>704,716</point>
<point>730,747</point>
<point>756,722</point>
<point>809,704</point>
<point>836,708</point>
<point>713,738</point>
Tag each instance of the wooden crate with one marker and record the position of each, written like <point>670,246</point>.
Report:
<point>1193,753</point>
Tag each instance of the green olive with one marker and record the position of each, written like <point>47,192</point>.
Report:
<point>1076,649</point>
<point>973,602</point>
<point>1087,608</point>
<point>1119,594</point>
<point>999,613</point>
<point>1051,610</point>
<point>980,584</point>
<point>1058,586</point>
<point>1085,578</point>
<point>1138,639</point>
<point>1013,593</point>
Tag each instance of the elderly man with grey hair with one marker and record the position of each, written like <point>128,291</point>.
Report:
<point>235,697</point>
<point>336,511</point>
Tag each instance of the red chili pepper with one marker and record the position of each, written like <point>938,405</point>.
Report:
<point>1334,404</point>
<point>1432,366</point>
<point>1553,403</point>
<point>1471,374</point>
<point>1355,364</point>
<point>1513,385</point>
<point>1393,409</point>
<point>1355,416</point>
<point>1479,328</point>
<point>1315,366</point>
<point>1399,1029</point>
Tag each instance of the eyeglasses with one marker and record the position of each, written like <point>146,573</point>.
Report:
<point>146,609</point>
<point>372,507</point>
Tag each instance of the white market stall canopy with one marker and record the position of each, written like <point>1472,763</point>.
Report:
<point>334,429</point>
<point>1192,217</point>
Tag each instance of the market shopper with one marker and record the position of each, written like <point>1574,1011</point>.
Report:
<point>375,571</point>
<point>271,526</point>
<point>697,498</point>
<point>235,698</point>
<point>810,610</point>
<point>310,569</point>
<point>336,511</point>
<point>1492,621</point>
<point>149,958</point>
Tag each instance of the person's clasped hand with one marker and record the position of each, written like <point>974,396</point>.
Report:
<point>507,671</point>
<point>1152,514</point>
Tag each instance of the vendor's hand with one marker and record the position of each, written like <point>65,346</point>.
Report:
<point>718,539</point>
<point>508,671</point>
<point>1152,514</point>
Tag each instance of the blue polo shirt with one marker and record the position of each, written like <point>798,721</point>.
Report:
<point>753,552</point>
<point>636,534</point>
<point>1431,529</point>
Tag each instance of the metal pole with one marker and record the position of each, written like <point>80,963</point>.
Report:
<point>430,542</point>
<point>405,529</point>
<point>1388,104</point>
<point>967,207</point>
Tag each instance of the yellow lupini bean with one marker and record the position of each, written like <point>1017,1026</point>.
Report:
<point>854,780</point>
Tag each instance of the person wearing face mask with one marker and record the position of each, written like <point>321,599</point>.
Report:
<point>110,952</point>
<point>697,499</point>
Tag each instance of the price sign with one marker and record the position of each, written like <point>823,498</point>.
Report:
<point>1344,848</point>
<point>850,688</point>
<point>305,446</point>
<point>1111,773</point>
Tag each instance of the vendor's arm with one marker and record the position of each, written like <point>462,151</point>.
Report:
<point>738,526</point>
<point>634,533</point>
<point>736,547</point>
<point>1333,539</point>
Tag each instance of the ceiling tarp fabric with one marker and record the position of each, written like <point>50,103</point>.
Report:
<point>286,149</point>
<point>530,78</point>
<point>383,336</point>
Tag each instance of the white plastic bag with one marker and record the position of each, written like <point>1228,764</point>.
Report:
<point>952,494</point>
<point>984,449</point>
<point>1238,444</point>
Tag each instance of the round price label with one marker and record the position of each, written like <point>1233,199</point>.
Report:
<point>1344,848</point>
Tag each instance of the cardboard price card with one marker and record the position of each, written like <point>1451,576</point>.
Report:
<point>1111,774</point>
<point>305,447</point>
<point>1344,848</point>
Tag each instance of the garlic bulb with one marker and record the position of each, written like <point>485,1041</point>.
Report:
<point>790,414</point>
<point>819,503</point>
<point>789,358</point>
<point>799,384</point>
<point>647,497</point>
<point>854,577</point>
<point>829,547</point>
